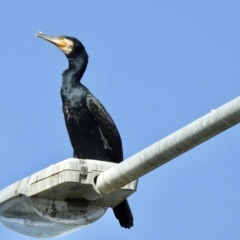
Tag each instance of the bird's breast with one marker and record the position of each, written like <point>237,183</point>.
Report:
<point>85,135</point>
<point>72,112</point>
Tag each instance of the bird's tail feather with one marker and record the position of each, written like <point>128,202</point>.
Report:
<point>124,215</point>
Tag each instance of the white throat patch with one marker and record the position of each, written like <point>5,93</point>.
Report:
<point>69,46</point>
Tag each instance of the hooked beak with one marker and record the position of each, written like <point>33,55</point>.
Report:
<point>60,43</point>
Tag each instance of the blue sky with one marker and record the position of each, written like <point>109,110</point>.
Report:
<point>156,66</point>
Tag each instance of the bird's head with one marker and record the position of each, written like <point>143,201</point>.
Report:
<point>70,46</point>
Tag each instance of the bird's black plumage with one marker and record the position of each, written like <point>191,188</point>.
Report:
<point>92,132</point>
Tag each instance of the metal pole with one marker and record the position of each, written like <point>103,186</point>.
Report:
<point>170,147</point>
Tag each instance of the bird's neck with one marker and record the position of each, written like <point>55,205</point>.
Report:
<point>75,71</point>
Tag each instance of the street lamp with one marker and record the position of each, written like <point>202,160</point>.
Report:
<point>59,199</point>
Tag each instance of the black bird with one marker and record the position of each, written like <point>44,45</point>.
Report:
<point>92,132</point>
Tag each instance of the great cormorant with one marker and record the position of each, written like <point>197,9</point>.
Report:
<point>92,132</point>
